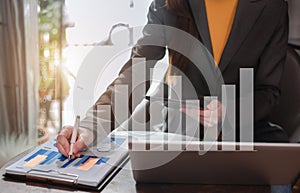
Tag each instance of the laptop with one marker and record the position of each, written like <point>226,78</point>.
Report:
<point>214,162</point>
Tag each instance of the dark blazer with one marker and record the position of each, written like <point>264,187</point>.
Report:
<point>258,40</point>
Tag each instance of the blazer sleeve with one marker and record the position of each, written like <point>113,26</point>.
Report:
<point>268,74</point>
<point>98,115</point>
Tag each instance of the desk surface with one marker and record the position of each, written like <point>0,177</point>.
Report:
<point>124,182</point>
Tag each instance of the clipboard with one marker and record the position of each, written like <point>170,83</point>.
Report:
<point>59,177</point>
<point>68,180</point>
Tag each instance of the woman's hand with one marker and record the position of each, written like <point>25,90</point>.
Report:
<point>209,117</point>
<point>84,138</point>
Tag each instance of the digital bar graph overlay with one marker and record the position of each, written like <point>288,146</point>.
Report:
<point>172,119</point>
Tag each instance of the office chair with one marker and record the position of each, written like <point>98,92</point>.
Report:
<point>287,112</point>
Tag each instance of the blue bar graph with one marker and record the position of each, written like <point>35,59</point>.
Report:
<point>68,163</point>
<point>62,158</point>
<point>50,156</point>
<point>102,160</point>
<point>40,152</point>
<point>82,161</point>
<point>85,158</point>
<point>53,156</point>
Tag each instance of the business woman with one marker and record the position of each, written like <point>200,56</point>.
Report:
<point>237,33</point>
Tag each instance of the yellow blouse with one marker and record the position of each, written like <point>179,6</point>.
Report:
<point>220,16</point>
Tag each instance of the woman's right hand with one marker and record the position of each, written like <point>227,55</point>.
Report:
<point>208,117</point>
<point>84,138</point>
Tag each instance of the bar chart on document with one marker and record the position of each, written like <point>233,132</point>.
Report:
<point>45,157</point>
<point>91,167</point>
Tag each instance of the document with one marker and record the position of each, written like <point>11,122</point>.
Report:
<point>90,169</point>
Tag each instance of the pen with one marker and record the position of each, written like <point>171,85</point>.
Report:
<point>74,136</point>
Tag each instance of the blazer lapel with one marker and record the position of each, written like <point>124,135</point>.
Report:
<point>199,14</point>
<point>248,11</point>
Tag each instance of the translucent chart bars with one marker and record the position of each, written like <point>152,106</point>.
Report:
<point>174,115</point>
<point>192,126</point>
<point>121,108</point>
<point>172,119</point>
<point>229,116</point>
<point>158,113</point>
<point>210,123</point>
<point>246,108</point>
<point>103,118</point>
<point>138,80</point>
<point>138,118</point>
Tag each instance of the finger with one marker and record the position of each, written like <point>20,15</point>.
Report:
<point>202,116</point>
<point>67,131</point>
<point>211,121</point>
<point>182,109</point>
<point>78,146</point>
<point>61,149</point>
<point>207,123</point>
<point>202,121</point>
<point>209,106</point>
<point>205,113</point>
<point>63,145</point>
<point>191,112</point>
<point>213,105</point>
<point>220,112</point>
